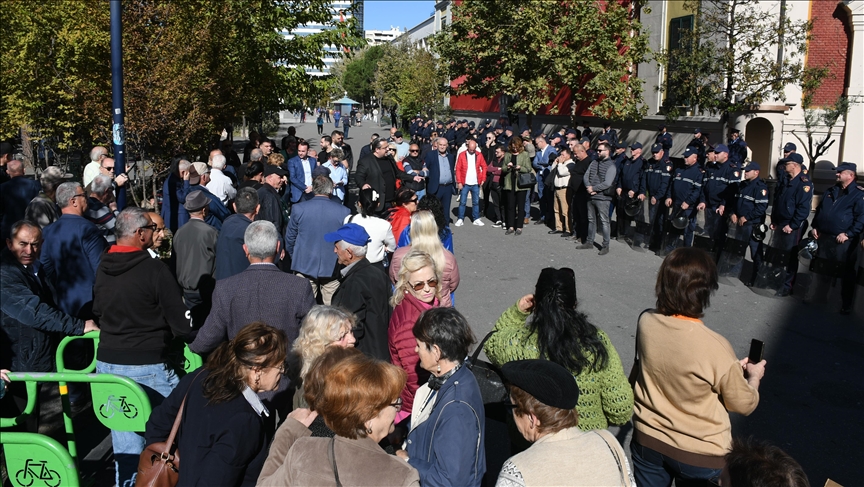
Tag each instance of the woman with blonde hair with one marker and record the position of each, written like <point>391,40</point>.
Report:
<point>276,159</point>
<point>323,326</point>
<point>424,237</point>
<point>418,289</point>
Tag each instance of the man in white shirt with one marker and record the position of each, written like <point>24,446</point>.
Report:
<point>220,184</point>
<point>91,170</point>
<point>470,175</point>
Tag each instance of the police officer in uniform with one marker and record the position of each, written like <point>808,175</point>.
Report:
<point>665,140</point>
<point>748,211</point>
<point>721,183</point>
<point>698,145</point>
<point>685,191</point>
<point>737,148</point>
<point>629,182</point>
<point>792,201</point>
<point>840,217</point>
<point>654,183</point>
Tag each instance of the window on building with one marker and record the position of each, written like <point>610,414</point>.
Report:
<point>678,27</point>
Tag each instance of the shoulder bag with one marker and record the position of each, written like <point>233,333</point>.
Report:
<point>159,463</point>
<point>488,376</point>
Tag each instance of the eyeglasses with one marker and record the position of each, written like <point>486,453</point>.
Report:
<point>414,150</point>
<point>397,404</point>
<point>152,227</point>
<point>433,283</point>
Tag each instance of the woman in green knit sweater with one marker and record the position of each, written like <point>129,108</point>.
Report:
<point>560,333</point>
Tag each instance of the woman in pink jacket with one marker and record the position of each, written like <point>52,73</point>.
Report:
<point>417,290</point>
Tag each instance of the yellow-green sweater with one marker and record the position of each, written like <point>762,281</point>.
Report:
<point>605,397</point>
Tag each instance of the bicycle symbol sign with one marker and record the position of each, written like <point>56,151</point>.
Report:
<point>37,470</point>
<point>114,405</point>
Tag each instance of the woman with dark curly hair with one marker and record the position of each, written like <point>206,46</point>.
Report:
<point>560,333</point>
<point>225,430</point>
<point>516,162</point>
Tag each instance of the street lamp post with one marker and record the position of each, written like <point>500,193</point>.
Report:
<point>118,129</point>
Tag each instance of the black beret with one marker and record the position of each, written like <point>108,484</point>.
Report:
<point>546,381</point>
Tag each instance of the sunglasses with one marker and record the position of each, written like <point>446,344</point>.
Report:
<point>433,283</point>
<point>414,150</point>
<point>152,227</point>
<point>108,168</point>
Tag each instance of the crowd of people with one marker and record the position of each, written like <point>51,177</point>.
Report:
<point>334,354</point>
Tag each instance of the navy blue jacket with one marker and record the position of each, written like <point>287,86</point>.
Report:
<point>655,178</point>
<point>686,185</point>
<point>432,164</point>
<point>297,176</point>
<point>664,139</point>
<point>841,211</point>
<point>31,324</point>
<point>448,448</point>
<point>70,256</point>
<point>230,257</point>
<point>720,184</point>
<point>304,239</point>
<point>630,178</point>
<point>174,191</point>
<point>737,151</point>
<point>792,201</point>
<point>751,201</point>
<point>15,195</point>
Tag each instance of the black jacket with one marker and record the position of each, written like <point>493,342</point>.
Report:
<point>31,325</point>
<point>365,291</point>
<point>220,444</point>
<point>139,308</point>
<point>369,172</point>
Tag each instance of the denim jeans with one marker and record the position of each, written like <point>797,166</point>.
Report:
<point>158,380</point>
<point>653,469</point>
<point>475,201</point>
<point>598,208</point>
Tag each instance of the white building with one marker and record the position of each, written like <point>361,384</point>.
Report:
<point>377,37</point>
<point>341,11</point>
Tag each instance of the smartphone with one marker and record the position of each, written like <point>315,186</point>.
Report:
<point>757,348</point>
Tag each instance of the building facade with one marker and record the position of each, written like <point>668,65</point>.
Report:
<point>378,37</point>
<point>341,10</point>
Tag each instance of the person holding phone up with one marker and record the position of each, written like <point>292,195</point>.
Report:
<point>686,379</point>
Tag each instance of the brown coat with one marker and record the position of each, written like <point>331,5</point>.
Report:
<point>360,462</point>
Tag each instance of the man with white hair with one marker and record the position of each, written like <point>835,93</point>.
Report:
<point>15,194</point>
<point>91,170</point>
<point>42,209</point>
<point>98,211</point>
<point>364,291</point>
<point>220,185</point>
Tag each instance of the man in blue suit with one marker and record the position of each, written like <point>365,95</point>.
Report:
<point>311,256</point>
<point>441,180</point>
<point>15,195</point>
<point>71,253</point>
<point>300,169</point>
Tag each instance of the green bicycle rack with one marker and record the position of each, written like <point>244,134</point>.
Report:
<point>119,403</point>
<point>191,360</point>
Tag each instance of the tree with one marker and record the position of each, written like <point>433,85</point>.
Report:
<point>736,56</point>
<point>411,78</point>
<point>358,72</point>
<point>531,49</point>
<point>815,116</point>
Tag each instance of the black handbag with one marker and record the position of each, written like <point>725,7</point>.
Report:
<point>488,376</point>
<point>526,180</point>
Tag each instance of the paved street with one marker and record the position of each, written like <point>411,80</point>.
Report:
<point>813,394</point>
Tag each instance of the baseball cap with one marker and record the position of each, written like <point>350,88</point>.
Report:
<point>697,131</point>
<point>268,170</point>
<point>753,166</point>
<point>352,233</point>
<point>797,158</point>
<point>6,148</point>
<point>636,145</point>
<point>848,166</point>
<point>656,148</point>
<point>689,152</point>
<point>721,148</point>
<point>398,133</point>
<point>789,147</point>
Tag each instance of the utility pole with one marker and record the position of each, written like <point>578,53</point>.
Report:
<point>118,128</point>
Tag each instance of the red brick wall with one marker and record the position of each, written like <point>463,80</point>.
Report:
<point>829,47</point>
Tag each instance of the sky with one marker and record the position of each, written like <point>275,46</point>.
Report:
<point>382,14</point>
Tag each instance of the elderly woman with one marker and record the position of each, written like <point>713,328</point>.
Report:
<point>424,236</point>
<point>379,230</point>
<point>417,290</point>
<point>276,159</point>
<point>559,332</point>
<point>544,394</point>
<point>322,327</point>
<point>516,162</point>
<point>225,429</point>
<point>686,379</point>
<point>360,416</point>
<point>445,441</point>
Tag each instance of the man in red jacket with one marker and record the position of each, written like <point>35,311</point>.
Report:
<point>470,175</point>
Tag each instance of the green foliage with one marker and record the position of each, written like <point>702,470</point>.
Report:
<point>728,62</point>
<point>190,68</point>
<point>530,49</point>
<point>411,78</point>
<point>357,74</point>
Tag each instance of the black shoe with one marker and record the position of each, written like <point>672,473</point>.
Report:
<point>540,222</point>
<point>750,282</point>
<point>518,231</point>
<point>508,232</point>
<point>585,246</point>
<point>783,292</point>
<point>554,232</point>
<point>566,235</point>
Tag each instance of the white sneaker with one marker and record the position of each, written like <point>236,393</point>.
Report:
<point>459,222</point>
<point>479,223</point>
<point>498,224</point>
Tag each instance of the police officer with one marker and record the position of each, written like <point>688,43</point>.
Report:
<point>698,145</point>
<point>664,139</point>
<point>737,148</point>
<point>792,201</point>
<point>654,183</point>
<point>719,188</point>
<point>685,191</point>
<point>461,134</point>
<point>748,211</point>
<point>629,182</point>
<point>611,134</point>
<point>556,140</point>
<point>840,217</point>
